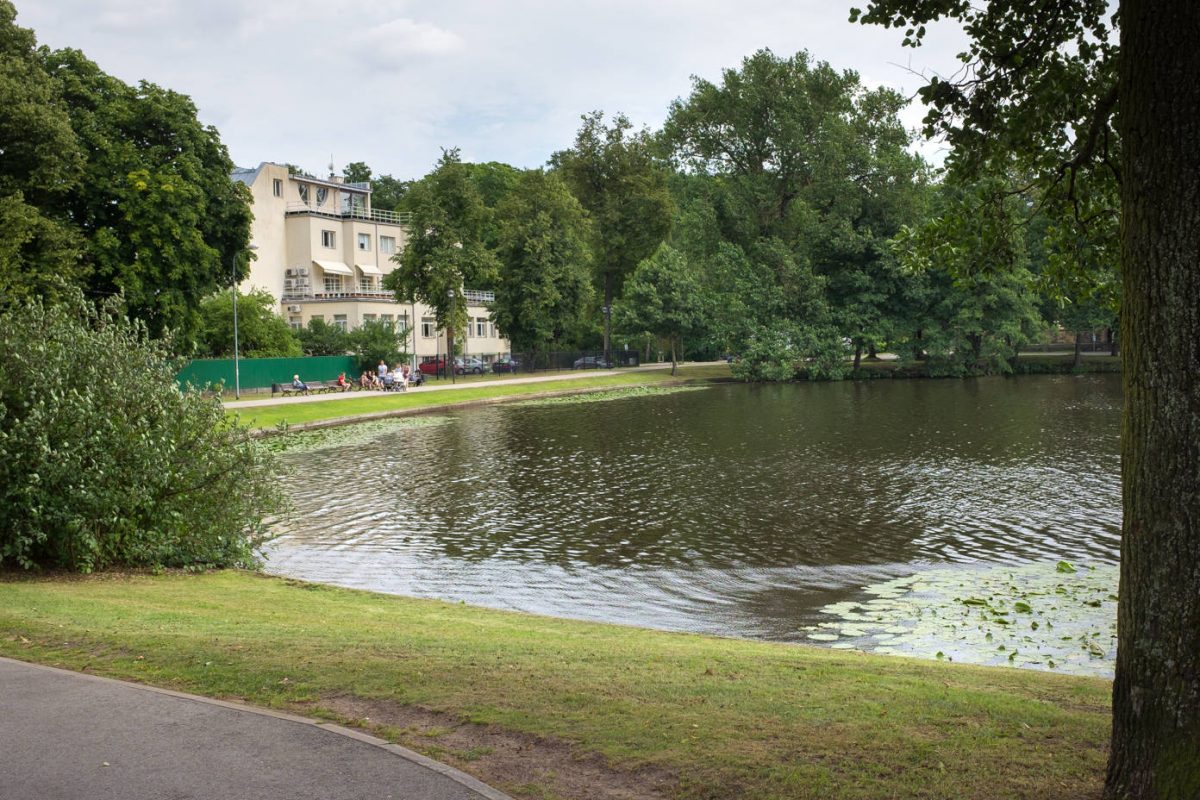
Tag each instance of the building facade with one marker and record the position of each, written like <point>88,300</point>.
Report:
<point>323,251</point>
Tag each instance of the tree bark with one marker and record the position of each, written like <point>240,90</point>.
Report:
<point>607,316</point>
<point>1078,362</point>
<point>858,348</point>
<point>1156,694</point>
<point>1113,348</point>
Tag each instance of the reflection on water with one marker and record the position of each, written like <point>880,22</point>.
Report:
<point>738,510</point>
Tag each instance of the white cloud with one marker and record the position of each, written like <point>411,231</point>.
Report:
<point>399,42</point>
<point>389,82</point>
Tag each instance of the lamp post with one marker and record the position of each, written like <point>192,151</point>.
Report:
<point>450,336</point>
<point>237,377</point>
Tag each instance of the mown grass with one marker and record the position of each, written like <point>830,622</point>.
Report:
<point>337,407</point>
<point>730,719</point>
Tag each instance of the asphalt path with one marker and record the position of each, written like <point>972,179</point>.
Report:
<point>66,735</point>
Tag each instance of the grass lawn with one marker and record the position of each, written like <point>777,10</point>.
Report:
<point>337,407</point>
<point>548,708</point>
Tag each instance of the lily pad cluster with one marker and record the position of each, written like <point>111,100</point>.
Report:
<point>348,435</point>
<point>1049,616</point>
<point>613,394</point>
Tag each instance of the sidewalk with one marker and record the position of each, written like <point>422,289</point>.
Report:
<point>67,735</point>
<point>442,385</point>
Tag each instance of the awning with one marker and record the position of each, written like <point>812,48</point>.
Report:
<point>369,269</point>
<point>334,267</point>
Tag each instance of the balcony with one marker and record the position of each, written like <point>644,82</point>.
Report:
<point>376,295</point>
<point>373,215</point>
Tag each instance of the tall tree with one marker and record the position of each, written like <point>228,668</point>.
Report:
<point>262,333</point>
<point>662,297</point>
<point>615,176</point>
<point>163,220</point>
<point>446,248</point>
<point>1048,84</point>
<point>544,278</point>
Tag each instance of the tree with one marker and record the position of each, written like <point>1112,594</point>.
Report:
<point>162,219</point>
<point>378,340</point>
<point>616,178</point>
<point>544,279</point>
<point>1047,84</point>
<point>446,249</point>
<point>320,338</point>
<point>262,333</point>
<point>119,467</point>
<point>662,297</point>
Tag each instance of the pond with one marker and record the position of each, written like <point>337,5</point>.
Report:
<point>973,520</point>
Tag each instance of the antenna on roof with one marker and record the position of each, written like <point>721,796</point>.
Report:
<point>331,172</point>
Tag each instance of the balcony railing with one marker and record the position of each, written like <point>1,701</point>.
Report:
<point>356,294</point>
<point>479,297</point>
<point>373,215</point>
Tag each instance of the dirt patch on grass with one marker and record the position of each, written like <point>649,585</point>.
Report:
<point>525,766</point>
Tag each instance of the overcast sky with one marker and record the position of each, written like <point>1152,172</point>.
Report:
<point>390,82</point>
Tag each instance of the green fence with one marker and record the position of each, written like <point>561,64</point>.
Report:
<point>260,373</point>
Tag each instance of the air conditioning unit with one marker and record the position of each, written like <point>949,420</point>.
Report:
<point>293,309</point>
<point>302,272</point>
<point>290,272</point>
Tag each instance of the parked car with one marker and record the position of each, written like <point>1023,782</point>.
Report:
<point>505,365</point>
<point>591,362</point>
<point>469,364</point>
<point>433,366</point>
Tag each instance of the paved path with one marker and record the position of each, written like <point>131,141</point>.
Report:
<point>65,735</point>
<point>442,385</point>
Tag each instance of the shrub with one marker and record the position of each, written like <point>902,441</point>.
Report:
<point>105,462</point>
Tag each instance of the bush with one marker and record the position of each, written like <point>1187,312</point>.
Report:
<point>105,462</point>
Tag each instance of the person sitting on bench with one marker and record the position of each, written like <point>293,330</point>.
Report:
<point>299,385</point>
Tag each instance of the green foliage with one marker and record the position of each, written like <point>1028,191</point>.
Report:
<point>378,340</point>
<point>446,249</point>
<point>262,333</point>
<point>662,298</point>
<point>783,352</point>
<point>320,338</point>
<point>116,189</point>
<point>615,175</point>
<point>104,462</point>
<point>544,280</point>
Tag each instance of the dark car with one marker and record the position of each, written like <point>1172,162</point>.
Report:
<point>591,362</point>
<point>505,365</point>
<point>433,366</point>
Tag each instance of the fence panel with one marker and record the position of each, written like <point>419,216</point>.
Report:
<point>260,373</point>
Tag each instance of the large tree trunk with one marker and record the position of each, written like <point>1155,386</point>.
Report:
<point>1156,694</point>
<point>858,348</point>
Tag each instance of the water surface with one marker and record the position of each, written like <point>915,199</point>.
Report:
<point>738,510</point>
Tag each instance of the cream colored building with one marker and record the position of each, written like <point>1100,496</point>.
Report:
<point>322,252</point>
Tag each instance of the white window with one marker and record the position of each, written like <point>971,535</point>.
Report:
<point>401,321</point>
<point>339,321</point>
<point>366,284</point>
<point>333,284</point>
<point>317,317</point>
<point>277,187</point>
<point>295,323</point>
<point>329,239</point>
<point>428,327</point>
<point>322,195</point>
<point>387,245</point>
<point>364,242</point>
<point>481,327</point>
<point>302,188</point>
<point>368,317</point>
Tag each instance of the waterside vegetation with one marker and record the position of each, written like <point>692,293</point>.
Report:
<point>602,711</point>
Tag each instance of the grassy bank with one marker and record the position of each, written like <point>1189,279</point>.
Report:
<point>546,708</point>
<point>337,407</point>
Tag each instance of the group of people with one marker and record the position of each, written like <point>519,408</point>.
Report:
<point>385,378</point>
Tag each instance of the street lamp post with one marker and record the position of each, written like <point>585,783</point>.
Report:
<point>237,377</point>
<point>450,336</point>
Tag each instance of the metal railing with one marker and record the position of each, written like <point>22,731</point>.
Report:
<point>372,215</point>
<point>356,294</point>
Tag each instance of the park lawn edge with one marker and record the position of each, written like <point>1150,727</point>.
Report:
<point>268,419</point>
<point>721,718</point>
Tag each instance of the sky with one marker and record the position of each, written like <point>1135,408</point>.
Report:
<point>392,82</point>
